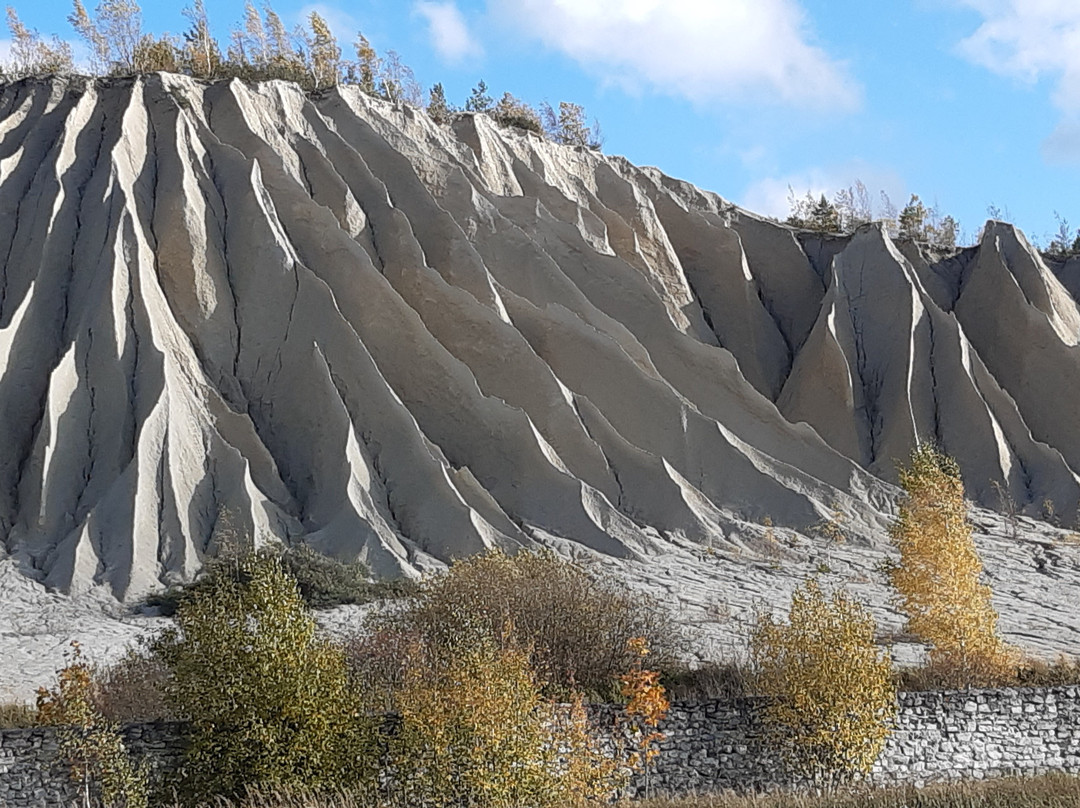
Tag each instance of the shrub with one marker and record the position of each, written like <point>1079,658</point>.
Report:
<point>576,626</point>
<point>269,703</point>
<point>938,577</point>
<point>510,111</point>
<point>132,689</point>
<point>830,689</point>
<point>474,730</point>
<point>92,746</point>
<point>1029,672</point>
<point>568,126</point>
<point>324,582</point>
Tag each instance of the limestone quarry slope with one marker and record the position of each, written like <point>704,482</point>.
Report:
<point>237,308</point>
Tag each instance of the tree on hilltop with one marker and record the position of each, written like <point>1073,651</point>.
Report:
<point>31,55</point>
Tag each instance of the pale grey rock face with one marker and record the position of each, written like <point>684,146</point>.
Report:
<point>337,322</point>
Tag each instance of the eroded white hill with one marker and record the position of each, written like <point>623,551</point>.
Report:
<point>333,321</point>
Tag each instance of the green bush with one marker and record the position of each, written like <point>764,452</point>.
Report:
<point>269,703</point>
<point>324,582</point>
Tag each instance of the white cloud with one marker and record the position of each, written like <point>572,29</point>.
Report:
<point>1030,39</point>
<point>1063,145</point>
<point>450,35</point>
<point>769,196</point>
<point>703,50</point>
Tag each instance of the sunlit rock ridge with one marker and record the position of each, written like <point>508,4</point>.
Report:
<point>240,308</point>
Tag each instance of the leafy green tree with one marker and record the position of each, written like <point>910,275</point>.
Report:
<point>568,126</point>
<point>269,702</point>
<point>397,82</point>
<point>114,35</point>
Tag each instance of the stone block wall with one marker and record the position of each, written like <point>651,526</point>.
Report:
<point>708,746</point>
<point>32,776</point>
<point>938,736</point>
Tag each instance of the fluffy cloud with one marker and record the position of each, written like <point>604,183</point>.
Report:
<point>700,49</point>
<point>450,34</point>
<point>1063,145</point>
<point>1031,40</point>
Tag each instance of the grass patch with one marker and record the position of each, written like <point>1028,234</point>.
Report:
<point>1029,673</point>
<point>16,715</point>
<point>1050,791</point>
<point>713,681</point>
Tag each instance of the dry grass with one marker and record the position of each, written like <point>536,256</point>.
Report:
<point>1030,672</point>
<point>1050,791</point>
<point>16,715</point>
<point>720,681</point>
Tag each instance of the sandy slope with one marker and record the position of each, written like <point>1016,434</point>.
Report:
<point>712,593</point>
<point>330,320</point>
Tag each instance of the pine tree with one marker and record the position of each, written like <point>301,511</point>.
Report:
<point>824,217</point>
<point>479,100</point>
<point>438,108</point>
<point>912,221</point>
<point>269,702</point>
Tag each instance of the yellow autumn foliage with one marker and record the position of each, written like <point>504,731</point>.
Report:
<point>938,580</point>
<point>476,731</point>
<point>831,698</point>
<point>92,747</point>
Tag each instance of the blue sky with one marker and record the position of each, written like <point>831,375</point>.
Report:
<point>968,103</point>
